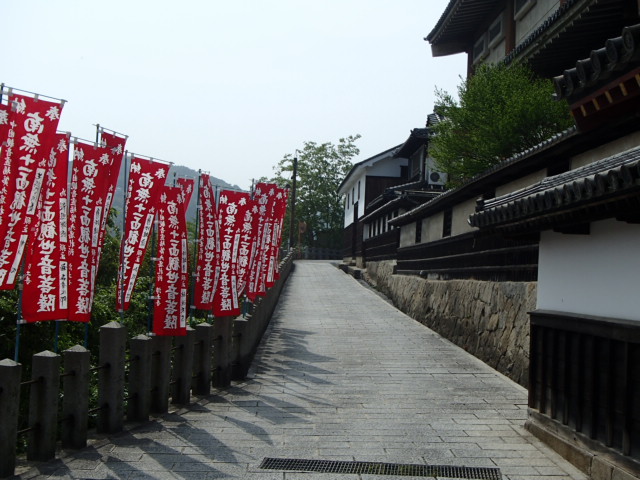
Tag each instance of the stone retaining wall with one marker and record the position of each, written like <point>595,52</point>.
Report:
<point>487,319</point>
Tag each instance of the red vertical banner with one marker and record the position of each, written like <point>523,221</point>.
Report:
<point>45,292</point>
<point>89,176</point>
<point>232,209</point>
<point>207,240</point>
<point>4,122</point>
<point>170,308</point>
<point>256,279</point>
<point>146,184</point>
<point>29,139</point>
<point>246,245</point>
<point>116,144</point>
<point>279,211</point>
<point>186,190</point>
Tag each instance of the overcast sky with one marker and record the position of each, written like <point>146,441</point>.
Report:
<point>230,87</point>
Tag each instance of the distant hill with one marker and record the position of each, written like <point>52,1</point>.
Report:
<point>179,171</point>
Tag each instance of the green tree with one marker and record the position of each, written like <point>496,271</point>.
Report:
<point>321,168</point>
<point>501,110</point>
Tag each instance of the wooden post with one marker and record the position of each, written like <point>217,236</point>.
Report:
<point>75,397</point>
<point>202,367</point>
<point>113,339</point>
<point>240,348</point>
<point>139,404</point>
<point>183,368</point>
<point>160,373</point>
<point>43,406</point>
<point>10,376</point>
<point>222,352</point>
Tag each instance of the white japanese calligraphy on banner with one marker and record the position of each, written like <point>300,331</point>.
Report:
<point>208,234</point>
<point>30,134</point>
<point>89,175</point>
<point>45,292</point>
<point>170,306</point>
<point>146,183</point>
<point>231,211</point>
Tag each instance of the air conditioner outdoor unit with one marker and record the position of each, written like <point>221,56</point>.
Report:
<point>436,178</point>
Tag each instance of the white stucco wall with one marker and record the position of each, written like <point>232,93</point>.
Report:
<point>433,228</point>
<point>408,234</point>
<point>387,168</point>
<point>596,274</point>
<point>617,146</point>
<point>460,215</point>
<point>522,182</point>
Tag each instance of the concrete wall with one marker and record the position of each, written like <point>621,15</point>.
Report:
<point>488,319</point>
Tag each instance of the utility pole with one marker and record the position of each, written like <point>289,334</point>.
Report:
<point>292,236</point>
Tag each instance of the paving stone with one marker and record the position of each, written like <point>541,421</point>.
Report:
<point>340,375</point>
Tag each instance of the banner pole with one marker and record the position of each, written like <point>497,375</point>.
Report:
<point>194,274</point>
<point>19,319</point>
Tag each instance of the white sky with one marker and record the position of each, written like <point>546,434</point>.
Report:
<point>230,87</point>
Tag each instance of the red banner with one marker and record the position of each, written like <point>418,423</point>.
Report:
<point>232,210</point>
<point>208,238</point>
<point>279,211</point>
<point>256,277</point>
<point>146,183</point>
<point>170,310</point>
<point>186,190</point>
<point>116,144</point>
<point>247,247</point>
<point>4,122</point>
<point>30,137</point>
<point>89,177</point>
<point>45,292</point>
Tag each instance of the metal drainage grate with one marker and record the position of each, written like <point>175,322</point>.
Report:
<point>379,468</point>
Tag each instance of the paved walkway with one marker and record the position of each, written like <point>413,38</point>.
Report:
<point>342,375</point>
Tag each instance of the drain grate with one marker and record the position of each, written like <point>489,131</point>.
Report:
<point>379,468</point>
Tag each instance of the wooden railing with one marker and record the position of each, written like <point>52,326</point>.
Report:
<point>472,255</point>
<point>154,371</point>
<point>584,377</point>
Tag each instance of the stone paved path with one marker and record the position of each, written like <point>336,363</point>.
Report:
<point>342,375</point>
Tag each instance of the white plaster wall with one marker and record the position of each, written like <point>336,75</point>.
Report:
<point>433,228</point>
<point>460,215</point>
<point>620,145</point>
<point>387,168</point>
<point>408,234</point>
<point>596,274</point>
<point>542,10</point>
<point>522,182</point>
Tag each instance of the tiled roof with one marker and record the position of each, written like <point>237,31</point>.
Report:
<point>436,203</point>
<point>594,184</point>
<point>589,74</point>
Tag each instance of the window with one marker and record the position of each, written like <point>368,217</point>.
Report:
<point>353,195</point>
<point>418,231</point>
<point>495,32</point>
<point>348,200</point>
<point>480,49</point>
<point>521,7</point>
<point>358,189</point>
<point>446,224</point>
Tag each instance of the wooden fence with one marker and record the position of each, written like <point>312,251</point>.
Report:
<point>132,383</point>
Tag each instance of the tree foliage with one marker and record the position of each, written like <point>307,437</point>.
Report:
<point>501,110</point>
<point>321,169</point>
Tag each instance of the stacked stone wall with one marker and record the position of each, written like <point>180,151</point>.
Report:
<point>487,319</point>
